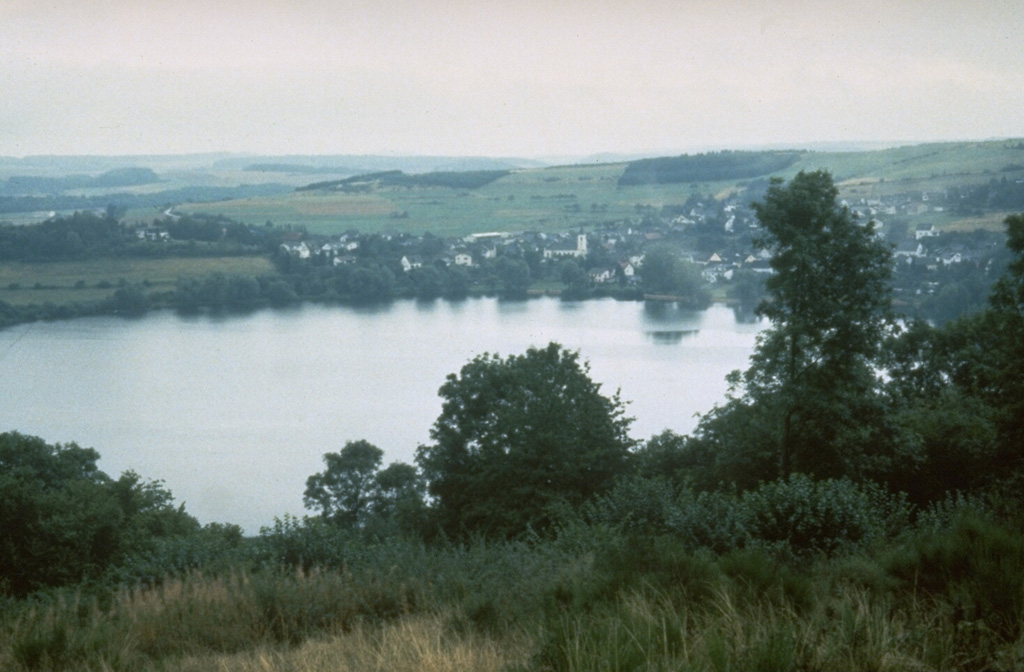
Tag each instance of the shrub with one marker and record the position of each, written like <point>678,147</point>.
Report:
<point>809,517</point>
<point>712,520</point>
<point>302,543</point>
<point>976,564</point>
<point>798,515</point>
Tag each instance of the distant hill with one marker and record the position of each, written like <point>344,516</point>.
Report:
<point>711,167</point>
<point>297,169</point>
<point>31,185</point>
<point>396,178</point>
<point>459,194</point>
<point>359,164</point>
<point>68,203</point>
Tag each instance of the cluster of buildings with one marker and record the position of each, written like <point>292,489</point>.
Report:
<point>608,257</point>
<point>615,252</point>
<point>925,245</point>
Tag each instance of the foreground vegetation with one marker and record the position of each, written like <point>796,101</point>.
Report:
<point>941,593</point>
<point>824,517</point>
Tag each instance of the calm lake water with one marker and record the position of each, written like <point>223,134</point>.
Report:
<point>233,413</point>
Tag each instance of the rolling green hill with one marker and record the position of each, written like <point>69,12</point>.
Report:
<point>567,197</point>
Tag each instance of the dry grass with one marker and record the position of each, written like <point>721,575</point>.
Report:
<point>232,624</point>
<point>199,616</point>
<point>420,643</point>
<point>944,600</point>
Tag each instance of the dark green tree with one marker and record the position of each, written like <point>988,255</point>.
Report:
<point>280,293</point>
<point>1007,382</point>
<point>660,271</point>
<point>958,390</point>
<point>574,278</point>
<point>515,277</point>
<point>371,283</point>
<point>456,282</point>
<point>398,501</point>
<point>663,272</point>
<point>427,282</point>
<point>345,490</point>
<point>747,289</point>
<point>130,300</point>
<point>63,520</point>
<point>149,512</point>
<point>242,293</point>
<point>515,436</point>
<point>809,401</point>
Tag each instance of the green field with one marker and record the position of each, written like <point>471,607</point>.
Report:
<point>548,199</point>
<point>64,283</point>
<point>563,198</point>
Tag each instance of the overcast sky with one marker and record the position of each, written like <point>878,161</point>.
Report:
<point>502,77</point>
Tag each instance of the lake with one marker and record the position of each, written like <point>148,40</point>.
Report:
<point>234,412</point>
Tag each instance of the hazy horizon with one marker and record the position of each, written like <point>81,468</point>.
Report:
<point>536,79</point>
<point>836,146</point>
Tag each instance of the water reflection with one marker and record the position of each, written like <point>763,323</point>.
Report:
<point>670,313</point>
<point>671,336</point>
<point>745,315</point>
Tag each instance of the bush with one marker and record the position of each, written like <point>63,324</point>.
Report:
<point>810,517</point>
<point>976,564</point>
<point>302,543</point>
<point>798,515</point>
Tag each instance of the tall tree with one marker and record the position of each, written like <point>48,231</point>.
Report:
<point>663,272</point>
<point>63,520</point>
<point>809,398</point>
<point>345,490</point>
<point>517,435</point>
<point>515,277</point>
<point>398,501</point>
<point>1007,302</point>
<point>958,389</point>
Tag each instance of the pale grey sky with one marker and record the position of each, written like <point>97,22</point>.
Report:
<point>502,77</point>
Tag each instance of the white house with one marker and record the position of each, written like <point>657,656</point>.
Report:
<point>910,250</point>
<point>409,263</point>
<point>152,234</point>
<point>300,250</point>
<point>715,272</point>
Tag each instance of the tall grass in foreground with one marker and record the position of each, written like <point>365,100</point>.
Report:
<point>195,615</point>
<point>422,643</point>
<point>946,595</point>
<point>849,632</point>
<point>206,627</point>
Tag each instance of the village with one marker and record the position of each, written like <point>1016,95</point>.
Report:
<point>718,236</point>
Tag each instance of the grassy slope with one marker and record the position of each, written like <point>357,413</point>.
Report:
<point>933,602</point>
<point>543,199</point>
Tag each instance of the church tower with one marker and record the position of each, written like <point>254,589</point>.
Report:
<point>581,244</point>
